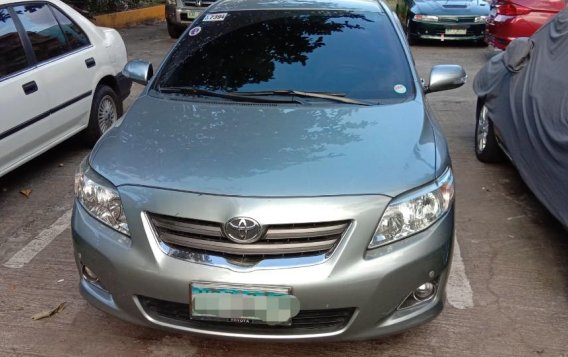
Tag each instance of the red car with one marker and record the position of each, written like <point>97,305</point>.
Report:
<point>519,18</point>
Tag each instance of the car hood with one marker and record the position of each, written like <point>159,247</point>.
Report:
<point>243,149</point>
<point>452,7</point>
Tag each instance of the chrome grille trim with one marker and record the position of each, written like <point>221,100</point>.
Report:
<point>277,233</point>
<point>456,19</point>
<point>192,3</point>
<point>278,240</point>
<point>249,249</point>
<point>194,228</point>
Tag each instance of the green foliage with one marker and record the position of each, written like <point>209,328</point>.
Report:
<point>96,7</point>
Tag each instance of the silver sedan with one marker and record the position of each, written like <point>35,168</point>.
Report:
<point>280,177</point>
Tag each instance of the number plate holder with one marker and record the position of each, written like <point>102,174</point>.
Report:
<point>247,304</point>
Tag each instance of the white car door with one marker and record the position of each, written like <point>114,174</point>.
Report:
<point>23,96</point>
<point>66,59</point>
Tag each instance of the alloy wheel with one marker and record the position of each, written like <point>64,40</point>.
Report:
<point>482,129</point>
<point>106,113</point>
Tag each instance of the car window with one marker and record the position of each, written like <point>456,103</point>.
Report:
<point>46,37</point>
<point>12,54</point>
<point>76,38</point>
<point>354,53</point>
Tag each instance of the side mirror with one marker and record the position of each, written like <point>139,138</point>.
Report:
<point>446,76</point>
<point>138,71</point>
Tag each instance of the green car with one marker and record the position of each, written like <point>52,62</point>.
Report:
<point>446,20</point>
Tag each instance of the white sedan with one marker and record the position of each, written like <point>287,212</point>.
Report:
<point>59,75</point>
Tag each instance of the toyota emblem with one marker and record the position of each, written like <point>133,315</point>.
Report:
<point>243,230</point>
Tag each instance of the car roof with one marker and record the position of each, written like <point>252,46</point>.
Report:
<point>354,5</point>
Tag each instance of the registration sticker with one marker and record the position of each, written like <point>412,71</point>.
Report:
<point>195,31</point>
<point>400,89</point>
<point>215,17</point>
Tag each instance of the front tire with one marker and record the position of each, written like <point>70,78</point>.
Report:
<point>174,31</point>
<point>105,110</point>
<point>486,147</point>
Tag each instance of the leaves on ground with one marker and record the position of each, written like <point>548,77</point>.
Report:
<point>26,192</point>
<point>48,313</point>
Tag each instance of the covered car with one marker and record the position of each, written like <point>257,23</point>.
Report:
<point>443,19</point>
<point>522,112</point>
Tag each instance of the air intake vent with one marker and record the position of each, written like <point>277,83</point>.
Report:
<point>307,321</point>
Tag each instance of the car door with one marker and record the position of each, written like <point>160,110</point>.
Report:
<point>23,95</point>
<point>65,58</point>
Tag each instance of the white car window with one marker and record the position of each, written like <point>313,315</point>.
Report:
<point>12,54</point>
<point>76,38</point>
<point>46,37</point>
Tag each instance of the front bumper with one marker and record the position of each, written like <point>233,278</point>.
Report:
<point>372,284</point>
<point>497,42</point>
<point>124,85</point>
<point>501,29</point>
<point>442,31</point>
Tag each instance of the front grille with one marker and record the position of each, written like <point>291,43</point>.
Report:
<point>307,321</point>
<point>439,29</point>
<point>456,19</point>
<point>289,240</point>
<point>193,3</point>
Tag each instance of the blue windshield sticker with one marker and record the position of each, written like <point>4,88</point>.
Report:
<point>195,31</point>
<point>400,89</point>
<point>215,17</point>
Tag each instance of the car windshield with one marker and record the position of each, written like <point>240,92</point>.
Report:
<point>340,53</point>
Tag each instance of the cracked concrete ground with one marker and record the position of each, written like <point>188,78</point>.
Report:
<point>514,256</point>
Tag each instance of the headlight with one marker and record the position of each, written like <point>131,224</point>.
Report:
<point>100,198</point>
<point>414,212</point>
<point>427,18</point>
<point>171,2</point>
<point>480,18</point>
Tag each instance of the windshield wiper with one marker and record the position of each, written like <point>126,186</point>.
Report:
<point>209,93</point>
<point>338,97</point>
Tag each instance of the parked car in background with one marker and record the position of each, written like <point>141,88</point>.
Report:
<point>443,20</point>
<point>180,13</point>
<point>519,18</point>
<point>59,75</point>
<point>280,177</point>
<point>522,113</point>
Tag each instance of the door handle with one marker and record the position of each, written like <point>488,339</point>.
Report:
<point>90,62</point>
<point>30,87</point>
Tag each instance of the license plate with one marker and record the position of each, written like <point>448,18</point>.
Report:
<point>242,304</point>
<point>192,14</point>
<point>456,31</point>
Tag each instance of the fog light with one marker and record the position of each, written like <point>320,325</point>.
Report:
<point>89,274</point>
<point>420,295</point>
<point>91,277</point>
<point>424,291</point>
